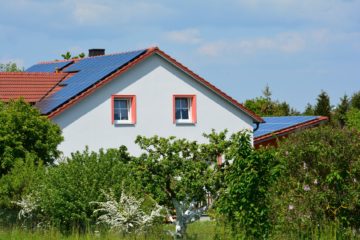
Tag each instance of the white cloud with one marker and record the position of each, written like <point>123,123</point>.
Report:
<point>290,42</point>
<point>327,12</point>
<point>89,13</point>
<point>188,36</point>
<point>212,49</point>
<point>287,42</point>
<point>115,12</point>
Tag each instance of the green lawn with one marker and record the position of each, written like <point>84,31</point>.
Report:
<point>196,231</point>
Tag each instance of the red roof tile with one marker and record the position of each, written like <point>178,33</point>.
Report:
<point>31,86</point>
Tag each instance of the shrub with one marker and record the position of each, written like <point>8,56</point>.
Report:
<point>245,199</point>
<point>126,215</point>
<point>24,132</point>
<point>67,189</point>
<point>353,118</point>
<point>22,178</point>
<point>320,179</point>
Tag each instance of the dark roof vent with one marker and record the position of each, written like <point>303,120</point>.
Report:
<point>96,52</point>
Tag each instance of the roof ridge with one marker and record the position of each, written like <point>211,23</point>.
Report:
<point>105,55</point>
<point>30,73</point>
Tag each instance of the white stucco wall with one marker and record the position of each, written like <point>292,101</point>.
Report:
<point>153,81</point>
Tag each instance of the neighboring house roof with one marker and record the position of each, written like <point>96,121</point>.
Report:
<point>93,72</point>
<point>275,127</point>
<point>31,86</point>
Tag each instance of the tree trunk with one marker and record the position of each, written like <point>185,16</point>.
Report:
<point>180,228</point>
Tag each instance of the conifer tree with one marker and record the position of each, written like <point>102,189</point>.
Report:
<point>309,110</point>
<point>322,107</point>
<point>355,100</point>
<point>341,110</point>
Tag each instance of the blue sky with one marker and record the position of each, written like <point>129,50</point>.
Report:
<point>296,47</point>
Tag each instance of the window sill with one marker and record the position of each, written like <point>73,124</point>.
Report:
<point>185,122</point>
<point>119,122</point>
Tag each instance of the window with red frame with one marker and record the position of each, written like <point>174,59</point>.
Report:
<point>123,109</point>
<point>184,109</point>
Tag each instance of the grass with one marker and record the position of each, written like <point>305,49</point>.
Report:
<point>196,231</point>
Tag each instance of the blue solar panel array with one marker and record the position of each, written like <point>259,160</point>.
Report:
<point>89,71</point>
<point>48,67</point>
<point>273,124</point>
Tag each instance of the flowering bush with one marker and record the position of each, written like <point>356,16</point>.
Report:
<point>125,215</point>
<point>319,181</point>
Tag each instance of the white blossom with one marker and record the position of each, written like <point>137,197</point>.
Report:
<point>305,165</point>
<point>126,214</point>
<point>28,205</point>
<point>306,188</point>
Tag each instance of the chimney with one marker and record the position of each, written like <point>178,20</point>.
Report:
<point>96,52</point>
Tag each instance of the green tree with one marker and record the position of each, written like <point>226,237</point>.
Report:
<point>245,198</point>
<point>352,118</point>
<point>68,56</point>
<point>322,107</point>
<point>265,106</point>
<point>309,110</point>
<point>25,133</point>
<point>319,179</point>
<point>355,100</point>
<point>177,173</point>
<point>10,67</point>
<point>341,110</point>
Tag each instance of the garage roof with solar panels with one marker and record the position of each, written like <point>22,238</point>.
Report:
<point>276,124</point>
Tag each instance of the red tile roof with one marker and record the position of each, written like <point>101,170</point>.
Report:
<point>31,86</point>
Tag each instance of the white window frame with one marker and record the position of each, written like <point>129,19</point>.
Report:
<point>131,112</point>
<point>189,120</point>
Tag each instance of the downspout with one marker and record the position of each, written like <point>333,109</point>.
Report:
<point>257,126</point>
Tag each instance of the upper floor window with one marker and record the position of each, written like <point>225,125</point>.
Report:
<point>123,109</point>
<point>184,108</point>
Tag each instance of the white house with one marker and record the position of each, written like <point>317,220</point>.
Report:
<point>105,101</point>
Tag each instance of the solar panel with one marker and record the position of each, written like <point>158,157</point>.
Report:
<point>89,71</point>
<point>273,124</point>
<point>48,67</point>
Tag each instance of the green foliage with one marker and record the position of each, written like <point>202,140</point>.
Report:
<point>68,188</point>
<point>172,169</point>
<point>322,107</point>
<point>21,179</point>
<point>25,133</point>
<point>10,67</point>
<point>68,56</point>
<point>355,100</point>
<point>319,181</point>
<point>353,118</point>
<point>341,110</point>
<point>245,198</point>
<point>265,106</point>
<point>309,110</point>
<point>180,174</point>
